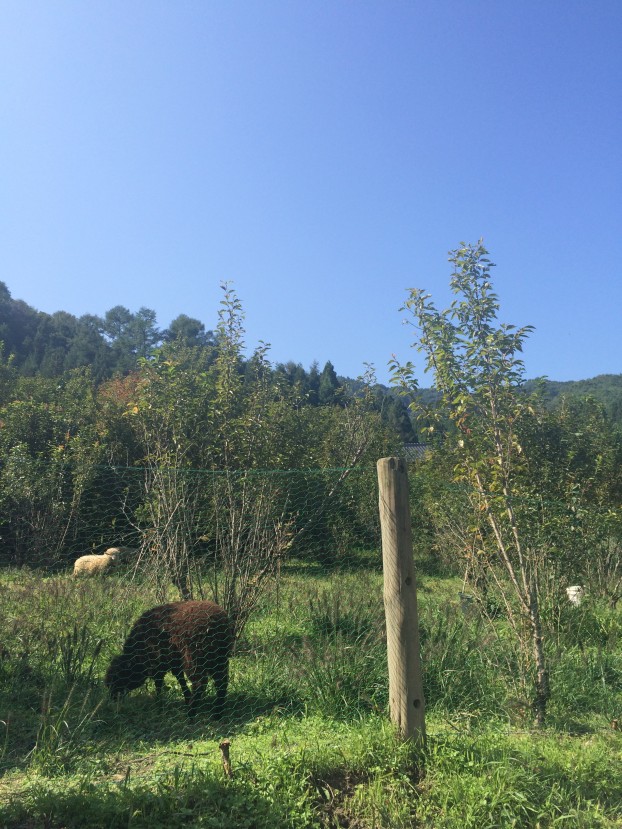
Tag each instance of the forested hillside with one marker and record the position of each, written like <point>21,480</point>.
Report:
<point>47,345</point>
<point>36,344</point>
<point>605,388</point>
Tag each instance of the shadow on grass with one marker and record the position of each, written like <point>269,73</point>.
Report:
<point>67,736</point>
<point>173,800</point>
<point>140,720</point>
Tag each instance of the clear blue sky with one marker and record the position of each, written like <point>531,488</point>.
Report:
<point>323,156</point>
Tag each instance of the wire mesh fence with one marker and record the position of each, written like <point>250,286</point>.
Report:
<point>173,518</point>
<point>94,644</point>
<point>207,596</point>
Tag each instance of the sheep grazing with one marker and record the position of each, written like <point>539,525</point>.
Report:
<point>192,637</point>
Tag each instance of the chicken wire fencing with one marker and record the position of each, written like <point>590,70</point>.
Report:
<point>195,593</point>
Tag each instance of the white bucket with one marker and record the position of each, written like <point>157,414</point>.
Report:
<point>575,594</point>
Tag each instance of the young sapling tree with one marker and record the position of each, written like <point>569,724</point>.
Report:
<point>478,375</point>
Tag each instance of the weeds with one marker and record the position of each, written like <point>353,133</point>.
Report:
<point>337,611</point>
<point>311,742</point>
<point>78,651</point>
<point>62,733</point>
<point>342,678</point>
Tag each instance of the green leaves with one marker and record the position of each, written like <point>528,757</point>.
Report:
<point>479,377</point>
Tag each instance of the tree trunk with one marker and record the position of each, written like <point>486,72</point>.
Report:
<point>543,690</point>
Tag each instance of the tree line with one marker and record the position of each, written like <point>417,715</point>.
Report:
<point>112,346</point>
<point>188,427</point>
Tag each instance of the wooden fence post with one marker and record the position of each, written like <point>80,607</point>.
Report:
<point>400,602</point>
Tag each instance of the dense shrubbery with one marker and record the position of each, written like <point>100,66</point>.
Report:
<point>151,458</point>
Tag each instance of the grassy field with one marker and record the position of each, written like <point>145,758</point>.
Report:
<point>310,740</point>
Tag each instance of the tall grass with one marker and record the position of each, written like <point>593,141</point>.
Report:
<point>62,734</point>
<point>311,741</point>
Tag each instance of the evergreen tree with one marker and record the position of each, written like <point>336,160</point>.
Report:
<point>296,378</point>
<point>313,381</point>
<point>395,415</point>
<point>88,348</point>
<point>145,333</point>
<point>131,336</point>
<point>188,331</point>
<point>329,388</point>
<point>18,328</point>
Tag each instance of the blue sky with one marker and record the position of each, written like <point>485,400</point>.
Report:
<point>322,156</point>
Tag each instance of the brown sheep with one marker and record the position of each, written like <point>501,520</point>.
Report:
<point>192,637</point>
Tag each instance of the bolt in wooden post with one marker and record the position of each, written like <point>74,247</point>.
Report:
<point>400,602</point>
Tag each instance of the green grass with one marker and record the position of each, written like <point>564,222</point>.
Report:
<point>311,743</point>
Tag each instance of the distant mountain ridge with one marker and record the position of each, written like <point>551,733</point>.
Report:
<point>606,388</point>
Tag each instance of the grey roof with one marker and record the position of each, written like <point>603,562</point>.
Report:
<point>414,451</point>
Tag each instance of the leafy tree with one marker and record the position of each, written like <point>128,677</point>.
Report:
<point>478,374</point>
<point>575,458</point>
<point>209,429</point>
<point>115,402</point>
<point>190,418</point>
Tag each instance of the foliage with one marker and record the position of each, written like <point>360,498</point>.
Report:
<point>478,373</point>
<point>521,498</point>
<point>215,431</point>
<point>89,462</point>
<point>606,389</point>
<point>50,449</point>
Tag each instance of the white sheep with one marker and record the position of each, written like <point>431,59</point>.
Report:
<point>575,594</point>
<point>95,564</point>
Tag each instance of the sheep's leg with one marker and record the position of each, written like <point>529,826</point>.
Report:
<point>179,676</point>
<point>198,686</point>
<point>158,680</point>
<point>221,681</point>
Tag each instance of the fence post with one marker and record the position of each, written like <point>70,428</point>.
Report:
<point>400,601</point>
